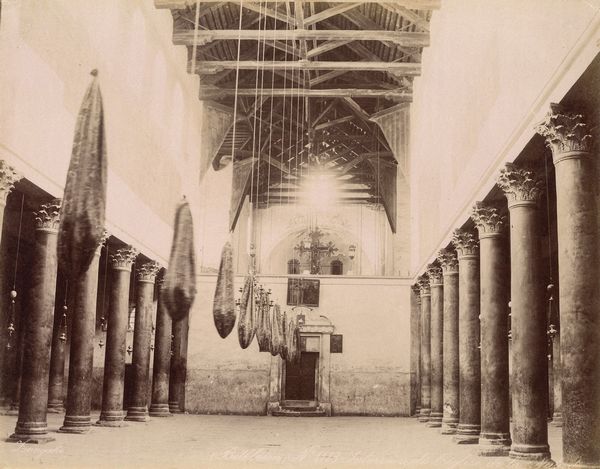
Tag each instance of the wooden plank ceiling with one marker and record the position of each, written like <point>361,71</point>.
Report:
<point>307,77</point>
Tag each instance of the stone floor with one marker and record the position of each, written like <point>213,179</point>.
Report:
<point>240,441</point>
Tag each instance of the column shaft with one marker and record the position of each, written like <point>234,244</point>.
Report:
<point>142,338</point>
<point>556,382</point>
<point>116,335</point>
<point>425,356</point>
<point>494,439</point>
<point>415,350</point>
<point>162,362</point>
<point>450,344</point>
<point>81,355</point>
<point>178,366</point>
<point>57,365</point>
<point>579,301</point>
<point>437,327</point>
<point>31,424</point>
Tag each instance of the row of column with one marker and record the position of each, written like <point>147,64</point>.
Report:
<point>464,300</point>
<point>43,351</point>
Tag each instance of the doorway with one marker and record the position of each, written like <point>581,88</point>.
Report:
<point>300,377</point>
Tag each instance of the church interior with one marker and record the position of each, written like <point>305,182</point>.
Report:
<point>245,214</point>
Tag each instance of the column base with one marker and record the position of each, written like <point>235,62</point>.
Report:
<point>435,420</point>
<point>557,419</point>
<point>56,408</point>
<point>174,407</point>
<point>467,434</point>
<point>13,410</point>
<point>31,439</point>
<point>579,466</point>
<point>111,418</point>
<point>30,432</point>
<point>417,411</point>
<point>77,424</point>
<point>424,415</point>
<point>160,410</point>
<point>525,452</point>
<point>137,414</point>
<point>494,444</point>
<point>449,425</point>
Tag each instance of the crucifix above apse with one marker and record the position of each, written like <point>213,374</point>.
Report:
<point>314,250</point>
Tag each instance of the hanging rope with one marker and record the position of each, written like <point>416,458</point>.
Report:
<point>13,292</point>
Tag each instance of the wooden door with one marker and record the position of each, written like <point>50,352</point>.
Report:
<point>300,377</point>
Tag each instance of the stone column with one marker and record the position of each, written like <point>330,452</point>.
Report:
<point>116,334</point>
<point>81,354</point>
<point>556,377</point>
<point>528,318</point>
<point>8,178</point>
<point>57,362</point>
<point>469,423</point>
<point>178,366</point>
<point>415,324</point>
<point>425,291</point>
<point>142,337</point>
<point>449,263</point>
<point>434,272</point>
<point>578,213</point>
<point>162,360</point>
<point>494,439</point>
<point>31,424</point>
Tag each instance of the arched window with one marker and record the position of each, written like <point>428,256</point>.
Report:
<point>293,267</point>
<point>337,267</point>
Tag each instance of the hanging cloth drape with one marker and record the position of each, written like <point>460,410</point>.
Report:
<point>246,324</point>
<point>263,326</point>
<point>224,303</point>
<point>284,343</point>
<point>82,213</point>
<point>179,287</point>
<point>276,338</point>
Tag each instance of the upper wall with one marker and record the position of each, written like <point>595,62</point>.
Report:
<point>152,116</point>
<point>491,71</point>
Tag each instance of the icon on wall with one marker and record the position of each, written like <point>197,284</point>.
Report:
<point>303,291</point>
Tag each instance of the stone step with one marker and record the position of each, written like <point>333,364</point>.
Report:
<point>287,412</point>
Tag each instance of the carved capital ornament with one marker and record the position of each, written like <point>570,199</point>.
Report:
<point>424,286</point>
<point>448,260</point>
<point>147,272</point>
<point>47,218</point>
<point>466,243</point>
<point>434,272</point>
<point>8,177</point>
<point>564,132</point>
<point>123,258</point>
<point>519,185</point>
<point>488,219</point>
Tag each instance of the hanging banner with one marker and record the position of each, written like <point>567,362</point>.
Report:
<point>386,174</point>
<point>242,174</point>
<point>395,125</point>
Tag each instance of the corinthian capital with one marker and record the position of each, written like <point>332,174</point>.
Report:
<point>424,286</point>
<point>466,243</point>
<point>434,272</point>
<point>488,219</point>
<point>8,177</point>
<point>147,272</point>
<point>519,184</point>
<point>123,258</point>
<point>48,216</point>
<point>449,261</point>
<point>417,291</point>
<point>564,131</point>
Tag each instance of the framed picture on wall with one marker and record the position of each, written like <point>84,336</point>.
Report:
<point>303,292</point>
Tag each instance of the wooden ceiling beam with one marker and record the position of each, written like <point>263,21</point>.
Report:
<point>329,12</point>
<point>333,122</point>
<point>398,68</point>
<point>323,77</point>
<point>412,4</point>
<point>326,47</point>
<point>262,9</point>
<point>400,38</point>
<point>411,16</point>
<point>394,94</point>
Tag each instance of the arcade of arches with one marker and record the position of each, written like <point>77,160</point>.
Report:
<point>416,182</point>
